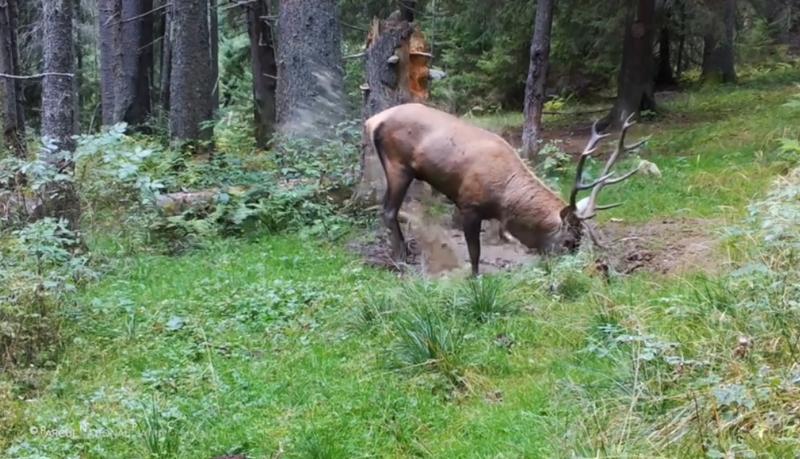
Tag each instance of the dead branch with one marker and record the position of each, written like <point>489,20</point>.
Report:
<point>586,112</point>
<point>139,16</point>
<point>36,76</point>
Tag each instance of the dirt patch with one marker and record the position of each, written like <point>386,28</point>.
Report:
<point>667,246</point>
<point>436,248</point>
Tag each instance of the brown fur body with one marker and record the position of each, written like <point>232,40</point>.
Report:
<point>476,169</point>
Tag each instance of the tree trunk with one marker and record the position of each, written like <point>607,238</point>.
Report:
<point>213,45</point>
<point>108,15</point>
<point>13,109</point>
<point>58,107</point>
<point>679,65</point>
<point>718,46</point>
<point>265,70</point>
<point>310,97</point>
<point>664,76</point>
<point>384,88</point>
<point>192,76</point>
<point>397,71</point>
<point>635,84</point>
<point>77,82</point>
<point>132,92</point>
<point>537,78</point>
<point>126,33</point>
<point>166,61</point>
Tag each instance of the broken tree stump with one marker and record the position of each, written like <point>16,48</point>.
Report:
<point>397,69</point>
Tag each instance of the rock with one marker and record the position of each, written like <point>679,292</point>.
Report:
<point>649,169</point>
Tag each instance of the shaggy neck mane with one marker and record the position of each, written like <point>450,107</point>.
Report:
<point>529,200</point>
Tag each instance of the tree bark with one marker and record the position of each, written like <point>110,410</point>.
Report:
<point>664,75</point>
<point>58,108</point>
<point>718,46</point>
<point>679,65</point>
<point>310,97</point>
<point>635,83</point>
<point>192,76</point>
<point>108,14</point>
<point>265,70</point>
<point>126,61</point>
<point>213,45</point>
<point>384,87</point>
<point>77,82</point>
<point>132,95</point>
<point>166,61</point>
<point>537,78</point>
<point>397,71</point>
<point>13,109</point>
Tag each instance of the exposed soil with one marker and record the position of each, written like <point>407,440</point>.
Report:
<point>669,246</point>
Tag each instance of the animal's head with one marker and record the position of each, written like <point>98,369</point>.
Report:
<point>576,216</point>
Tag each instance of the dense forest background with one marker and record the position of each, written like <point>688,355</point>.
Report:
<point>131,58</point>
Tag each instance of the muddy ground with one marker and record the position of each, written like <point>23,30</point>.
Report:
<point>437,246</point>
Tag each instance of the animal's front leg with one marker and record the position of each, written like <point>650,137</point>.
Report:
<point>472,233</point>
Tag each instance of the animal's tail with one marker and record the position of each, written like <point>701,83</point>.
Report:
<point>373,132</point>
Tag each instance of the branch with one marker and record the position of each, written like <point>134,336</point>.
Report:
<point>235,4</point>
<point>587,112</point>
<point>36,76</point>
<point>139,16</point>
<point>354,27</point>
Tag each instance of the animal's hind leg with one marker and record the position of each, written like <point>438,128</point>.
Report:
<point>397,186</point>
<point>472,234</point>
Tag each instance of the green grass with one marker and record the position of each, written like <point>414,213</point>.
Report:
<point>286,347</point>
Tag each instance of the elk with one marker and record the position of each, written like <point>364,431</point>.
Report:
<point>485,178</point>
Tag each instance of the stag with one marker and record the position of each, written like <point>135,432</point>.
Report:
<point>485,178</point>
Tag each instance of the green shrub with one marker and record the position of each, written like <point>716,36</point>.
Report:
<point>39,269</point>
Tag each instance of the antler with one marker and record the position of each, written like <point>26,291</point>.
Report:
<point>590,209</point>
<point>590,149</point>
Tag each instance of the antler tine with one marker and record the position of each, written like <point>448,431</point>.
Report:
<point>591,208</point>
<point>629,121</point>
<point>589,186</point>
<point>636,145</point>
<point>620,144</point>
<point>620,179</point>
<point>608,206</point>
<point>589,150</point>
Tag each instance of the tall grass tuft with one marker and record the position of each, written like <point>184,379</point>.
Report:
<point>159,432</point>
<point>428,339</point>
<point>315,444</point>
<point>484,298</point>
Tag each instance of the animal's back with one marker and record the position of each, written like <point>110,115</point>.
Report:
<point>465,162</point>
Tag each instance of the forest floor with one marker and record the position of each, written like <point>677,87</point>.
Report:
<point>288,347</point>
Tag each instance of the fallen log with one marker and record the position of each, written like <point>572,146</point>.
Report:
<point>176,203</point>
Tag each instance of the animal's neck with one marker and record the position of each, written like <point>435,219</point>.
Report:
<point>532,204</point>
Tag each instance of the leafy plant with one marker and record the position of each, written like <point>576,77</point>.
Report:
<point>39,269</point>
